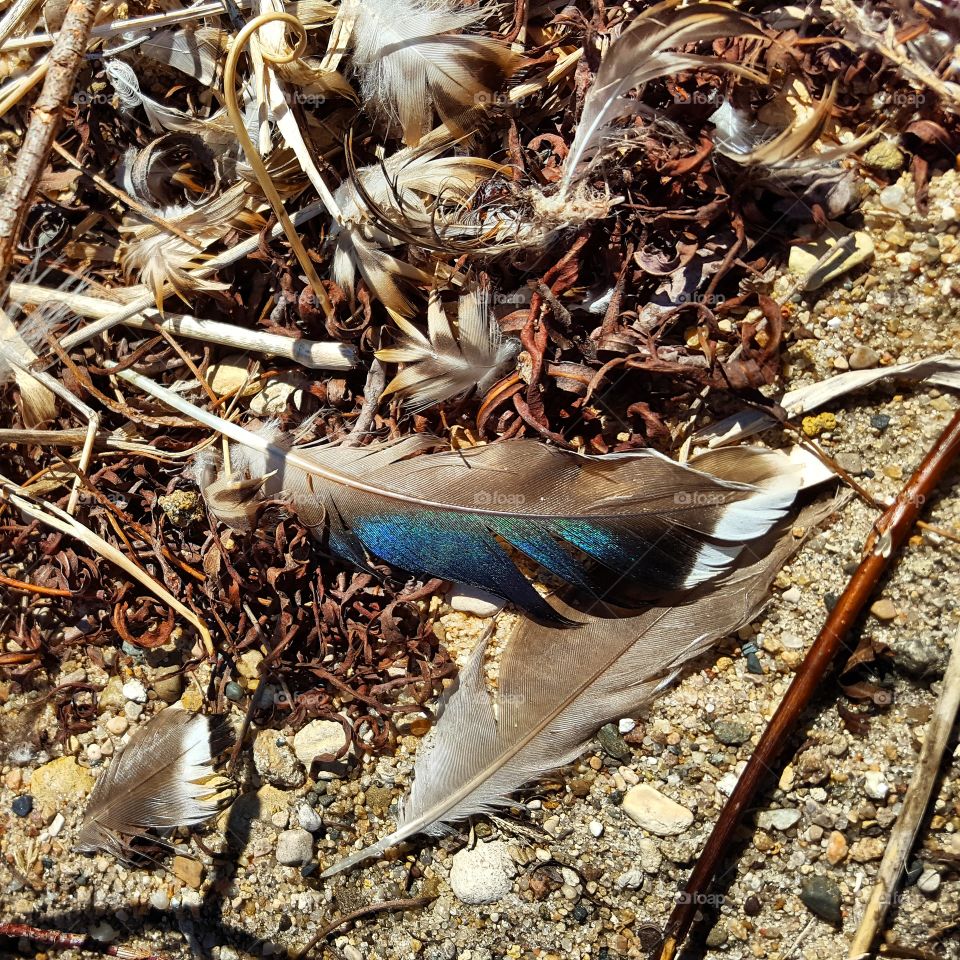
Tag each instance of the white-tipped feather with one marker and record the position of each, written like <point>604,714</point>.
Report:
<point>642,53</point>
<point>161,779</point>
<point>556,688</point>
<point>414,60</point>
<point>445,363</point>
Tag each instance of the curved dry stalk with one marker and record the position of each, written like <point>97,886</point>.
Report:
<point>915,804</point>
<point>15,15</point>
<point>53,516</point>
<point>250,149</point>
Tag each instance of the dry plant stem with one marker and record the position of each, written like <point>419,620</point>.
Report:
<point>53,516</point>
<point>915,803</point>
<point>125,198</point>
<point>249,148</point>
<point>14,16</point>
<point>91,416</point>
<point>386,905</point>
<point>70,941</point>
<point>315,354</point>
<point>887,536</point>
<point>65,61</point>
<point>14,92</point>
<point>147,300</point>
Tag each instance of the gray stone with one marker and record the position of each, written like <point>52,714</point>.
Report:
<point>613,743</point>
<point>821,895</point>
<point>731,732</point>
<point>782,819</point>
<point>294,847</point>
<point>308,818</point>
<point>852,463</point>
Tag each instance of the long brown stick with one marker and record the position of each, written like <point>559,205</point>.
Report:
<point>887,536</point>
<point>65,61</point>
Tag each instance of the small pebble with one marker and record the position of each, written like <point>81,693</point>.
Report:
<point>875,785</point>
<point>233,691</point>
<point>22,805</point>
<point>929,881</point>
<point>731,732</point>
<point>836,851</point>
<point>879,421</point>
<point>653,811</point>
<point>613,743</point>
<point>135,691</point>
<point>883,609</point>
<point>276,761</point>
<point>852,463</point>
<point>782,819</point>
<point>308,818</point>
<point>821,895</point>
<point>294,847</point>
<point>626,725</point>
<point>117,726</point>
<point>596,828</point>
<point>474,600</point>
<point>631,880</point>
<point>863,358</point>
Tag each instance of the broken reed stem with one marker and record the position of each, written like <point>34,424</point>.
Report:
<point>315,354</point>
<point>65,61</point>
<point>250,149</point>
<point>15,15</point>
<point>915,804</point>
<point>886,538</point>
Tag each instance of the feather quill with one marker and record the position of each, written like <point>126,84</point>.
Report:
<point>161,779</point>
<point>556,689</point>
<point>445,364</point>
<point>414,59</point>
<point>643,53</point>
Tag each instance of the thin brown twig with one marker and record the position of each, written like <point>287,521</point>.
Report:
<point>888,535</point>
<point>65,61</point>
<point>413,903</point>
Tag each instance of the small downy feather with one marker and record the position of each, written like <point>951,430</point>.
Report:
<point>195,51</point>
<point>407,189</point>
<point>161,779</point>
<point>414,59</point>
<point>157,256</point>
<point>556,688</point>
<point>643,53</point>
<point>446,364</point>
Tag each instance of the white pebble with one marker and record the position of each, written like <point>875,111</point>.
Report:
<point>596,828</point>
<point>875,786</point>
<point>653,811</point>
<point>631,880</point>
<point>727,783</point>
<point>56,825</point>
<point>308,818</point>
<point>929,881</point>
<point>482,874</point>
<point>626,725</point>
<point>160,899</point>
<point>94,753</point>
<point>135,691</point>
<point>467,599</point>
